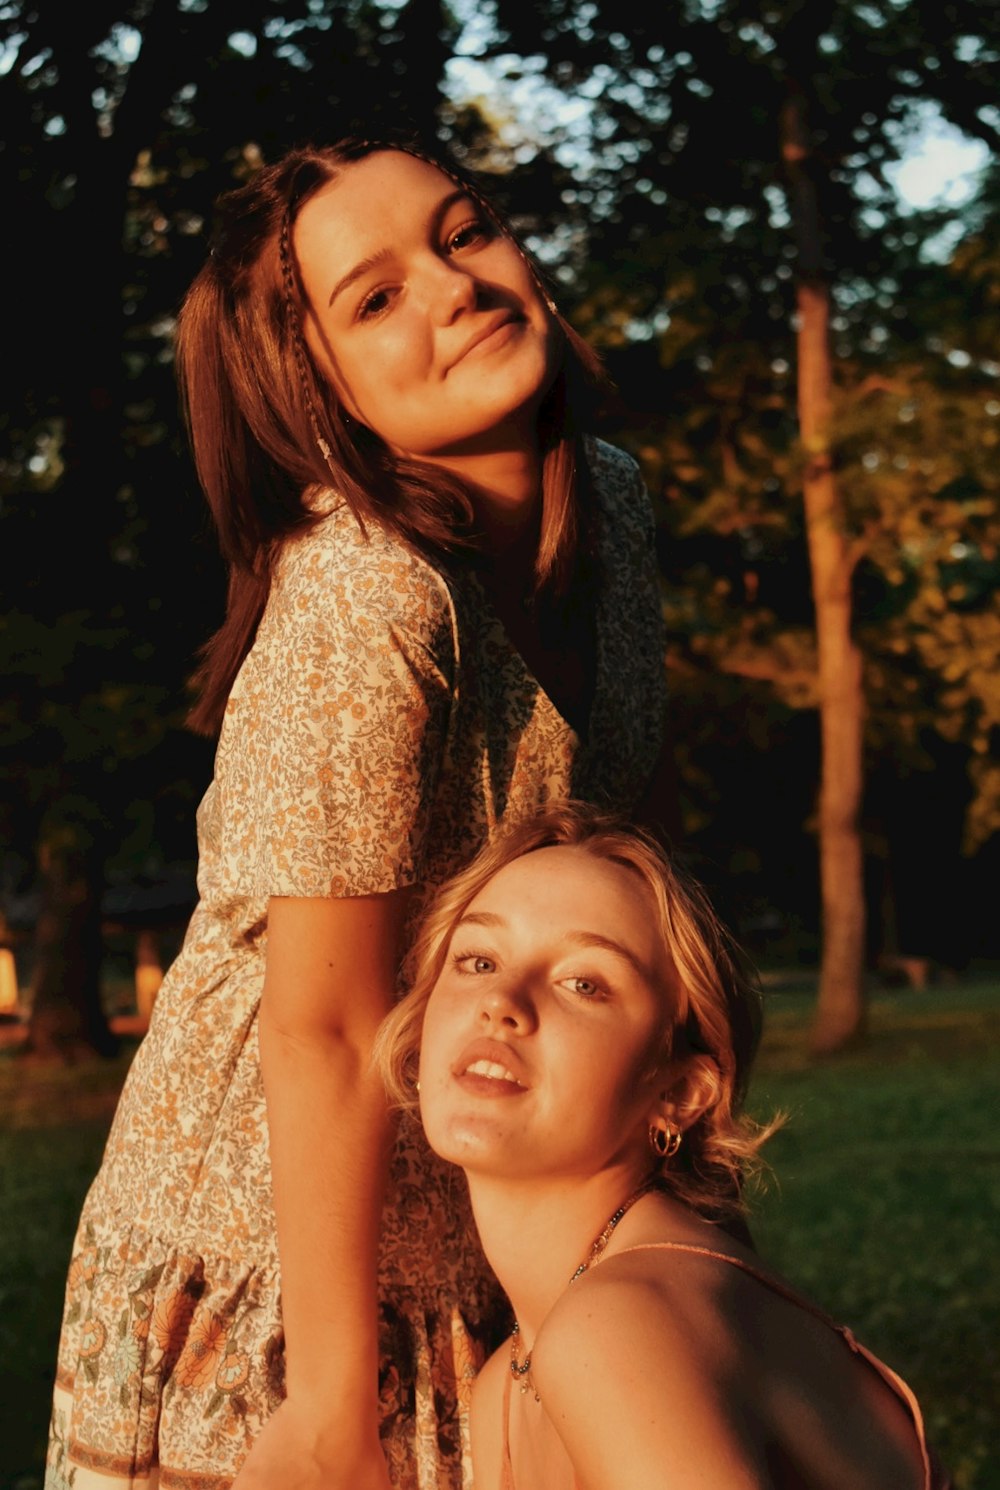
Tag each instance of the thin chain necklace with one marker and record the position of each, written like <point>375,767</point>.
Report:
<point>521,1370</point>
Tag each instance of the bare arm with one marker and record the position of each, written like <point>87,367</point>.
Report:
<point>486,1422</point>
<point>330,978</point>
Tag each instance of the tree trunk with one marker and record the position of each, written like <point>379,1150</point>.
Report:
<point>841,1011</point>
<point>67,1020</point>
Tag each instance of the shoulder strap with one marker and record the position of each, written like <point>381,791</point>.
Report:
<point>782,1289</point>
<point>506,1467</point>
<point>896,1383</point>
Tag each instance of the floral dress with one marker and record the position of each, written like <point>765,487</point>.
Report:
<point>380,729</point>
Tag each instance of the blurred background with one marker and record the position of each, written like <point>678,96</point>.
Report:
<point>779,224</point>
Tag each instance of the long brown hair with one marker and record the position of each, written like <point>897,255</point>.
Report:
<point>265,425</point>
<point>716,1014</point>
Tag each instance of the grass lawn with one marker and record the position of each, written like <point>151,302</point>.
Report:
<point>883,1206</point>
<point>885,1201</point>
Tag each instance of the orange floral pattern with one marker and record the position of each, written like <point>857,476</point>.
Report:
<point>380,729</point>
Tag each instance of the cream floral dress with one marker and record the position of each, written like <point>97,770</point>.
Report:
<point>380,729</point>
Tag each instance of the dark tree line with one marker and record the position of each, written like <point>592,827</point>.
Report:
<point>808,392</point>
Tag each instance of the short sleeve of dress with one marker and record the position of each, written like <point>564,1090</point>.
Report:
<point>343,715</point>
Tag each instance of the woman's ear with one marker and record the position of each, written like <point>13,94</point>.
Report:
<point>693,1088</point>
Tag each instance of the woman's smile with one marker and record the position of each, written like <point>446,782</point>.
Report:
<point>498,331</point>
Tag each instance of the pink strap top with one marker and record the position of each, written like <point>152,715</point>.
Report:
<point>934,1476</point>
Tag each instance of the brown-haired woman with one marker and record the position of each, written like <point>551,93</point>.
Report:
<point>443,613</point>
<point>583,1033</point>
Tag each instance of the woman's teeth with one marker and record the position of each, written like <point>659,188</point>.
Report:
<point>491,1069</point>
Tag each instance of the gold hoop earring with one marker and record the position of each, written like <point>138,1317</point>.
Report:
<point>664,1141</point>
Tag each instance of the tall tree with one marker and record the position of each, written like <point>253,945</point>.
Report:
<point>840,1011</point>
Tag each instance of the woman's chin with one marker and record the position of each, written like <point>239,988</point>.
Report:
<point>471,1142</point>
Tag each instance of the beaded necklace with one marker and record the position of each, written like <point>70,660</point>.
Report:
<point>521,1370</point>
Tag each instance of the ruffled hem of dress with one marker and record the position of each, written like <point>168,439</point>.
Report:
<point>170,1363</point>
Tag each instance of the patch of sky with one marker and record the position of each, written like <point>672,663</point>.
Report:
<point>9,50</point>
<point>777,207</point>
<point>121,46</point>
<point>939,166</point>
<point>974,49</point>
<point>754,33</point>
<point>871,16</point>
<point>479,28</point>
<point>38,61</point>
<point>289,52</point>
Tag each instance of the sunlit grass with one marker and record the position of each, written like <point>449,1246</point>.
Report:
<point>885,1199</point>
<point>883,1205</point>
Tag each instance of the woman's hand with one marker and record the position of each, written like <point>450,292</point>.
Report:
<point>294,1451</point>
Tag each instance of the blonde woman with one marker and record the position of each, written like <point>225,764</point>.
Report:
<point>580,1034</point>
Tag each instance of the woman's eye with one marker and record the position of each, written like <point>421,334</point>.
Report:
<point>475,962</point>
<point>468,234</point>
<point>585,987</point>
<point>373,305</point>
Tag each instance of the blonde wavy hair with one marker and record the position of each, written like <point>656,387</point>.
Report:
<point>717,1004</point>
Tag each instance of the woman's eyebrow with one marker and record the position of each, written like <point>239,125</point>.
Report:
<point>608,944</point>
<point>480,918</point>
<point>373,260</point>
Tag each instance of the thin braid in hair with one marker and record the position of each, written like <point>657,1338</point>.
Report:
<point>288,279</point>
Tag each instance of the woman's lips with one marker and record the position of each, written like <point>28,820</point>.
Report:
<point>475,1080</point>
<point>490,1069</point>
<point>491,337</point>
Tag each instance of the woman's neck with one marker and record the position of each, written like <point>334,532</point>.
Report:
<point>535,1236</point>
<point>506,491</point>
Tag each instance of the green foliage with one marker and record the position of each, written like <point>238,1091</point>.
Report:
<point>681,260</point>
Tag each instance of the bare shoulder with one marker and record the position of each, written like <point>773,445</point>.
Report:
<point>634,1310</point>
<point>658,1357</point>
<point>486,1421</point>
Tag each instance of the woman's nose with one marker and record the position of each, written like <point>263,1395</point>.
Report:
<point>507,1002</point>
<point>450,291</point>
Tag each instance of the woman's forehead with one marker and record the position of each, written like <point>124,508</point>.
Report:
<point>372,208</point>
<point>568,885</point>
<point>388,175</point>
